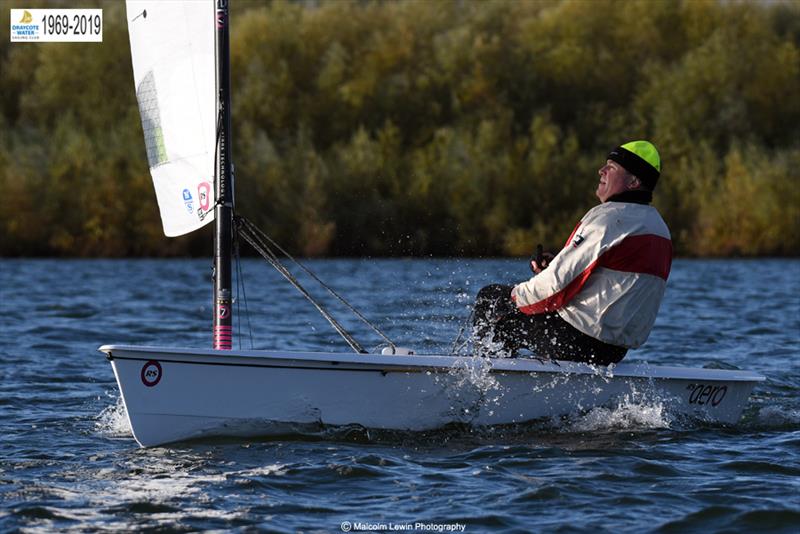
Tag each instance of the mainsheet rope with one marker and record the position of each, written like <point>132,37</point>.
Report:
<point>263,244</point>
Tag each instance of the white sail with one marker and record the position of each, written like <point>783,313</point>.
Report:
<point>174,69</point>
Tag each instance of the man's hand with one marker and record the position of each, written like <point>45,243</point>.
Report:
<point>540,260</point>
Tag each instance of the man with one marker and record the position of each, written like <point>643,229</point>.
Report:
<point>599,296</point>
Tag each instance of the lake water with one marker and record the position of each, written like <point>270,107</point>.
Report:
<point>68,461</point>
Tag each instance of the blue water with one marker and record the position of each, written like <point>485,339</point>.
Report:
<point>68,461</point>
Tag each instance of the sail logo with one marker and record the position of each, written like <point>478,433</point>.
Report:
<point>188,201</point>
<point>203,198</point>
<point>27,18</point>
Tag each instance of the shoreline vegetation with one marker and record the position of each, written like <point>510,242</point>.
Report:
<point>425,128</point>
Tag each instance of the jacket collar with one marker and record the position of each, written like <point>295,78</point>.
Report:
<point>637,196</point>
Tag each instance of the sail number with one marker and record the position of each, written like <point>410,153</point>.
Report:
<point>702,394</point>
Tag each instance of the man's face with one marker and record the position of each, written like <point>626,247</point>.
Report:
<point>614,179</point>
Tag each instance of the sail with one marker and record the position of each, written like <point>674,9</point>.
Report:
<point>174,70</point>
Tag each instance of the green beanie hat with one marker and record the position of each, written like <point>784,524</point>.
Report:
<point>641,159</point>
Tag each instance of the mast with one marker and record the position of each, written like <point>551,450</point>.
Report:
<point>223,224</point>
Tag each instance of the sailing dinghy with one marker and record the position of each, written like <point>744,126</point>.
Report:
<point>180,52</point>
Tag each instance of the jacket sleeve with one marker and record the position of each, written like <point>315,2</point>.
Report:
<point>567,273</point>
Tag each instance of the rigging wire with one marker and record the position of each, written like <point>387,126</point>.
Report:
<point>240,283</point>
<point>456,348</point>
<point>246,309</point>
<point>330,290</point>
<point>216,166</point>
<point>237,317</point>
<point>261,242</point>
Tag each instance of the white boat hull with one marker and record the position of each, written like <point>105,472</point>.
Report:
<point>178,394</point>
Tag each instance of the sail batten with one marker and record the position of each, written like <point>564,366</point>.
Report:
<point>174,68</point>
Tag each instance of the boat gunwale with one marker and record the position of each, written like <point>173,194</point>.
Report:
<point>418,363</point>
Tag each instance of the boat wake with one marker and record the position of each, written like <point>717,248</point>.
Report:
<point>776,417</point>
<point>112,422</point>
<point>628,414</point>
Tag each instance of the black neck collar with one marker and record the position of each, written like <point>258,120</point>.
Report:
<point>637,196</point>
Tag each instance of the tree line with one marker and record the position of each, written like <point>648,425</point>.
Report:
<point>426,127</point>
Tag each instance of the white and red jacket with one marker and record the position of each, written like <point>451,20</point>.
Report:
<point>609,278</point>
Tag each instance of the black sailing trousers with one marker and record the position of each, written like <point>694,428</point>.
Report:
<point>498,319</point>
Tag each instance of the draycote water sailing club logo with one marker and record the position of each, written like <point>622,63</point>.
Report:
<point>24,29</point>
<point>56,25</point>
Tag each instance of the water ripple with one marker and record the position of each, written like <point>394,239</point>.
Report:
<point>69,462</point>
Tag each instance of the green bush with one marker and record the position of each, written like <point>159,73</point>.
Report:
<point>417,128</point>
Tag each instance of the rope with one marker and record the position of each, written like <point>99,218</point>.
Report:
<point>456,348</point>
<point>261,242</point>
<point>240,283</point>
<point>323,284</point>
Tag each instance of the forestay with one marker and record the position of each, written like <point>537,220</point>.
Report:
<point>172,48</point>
